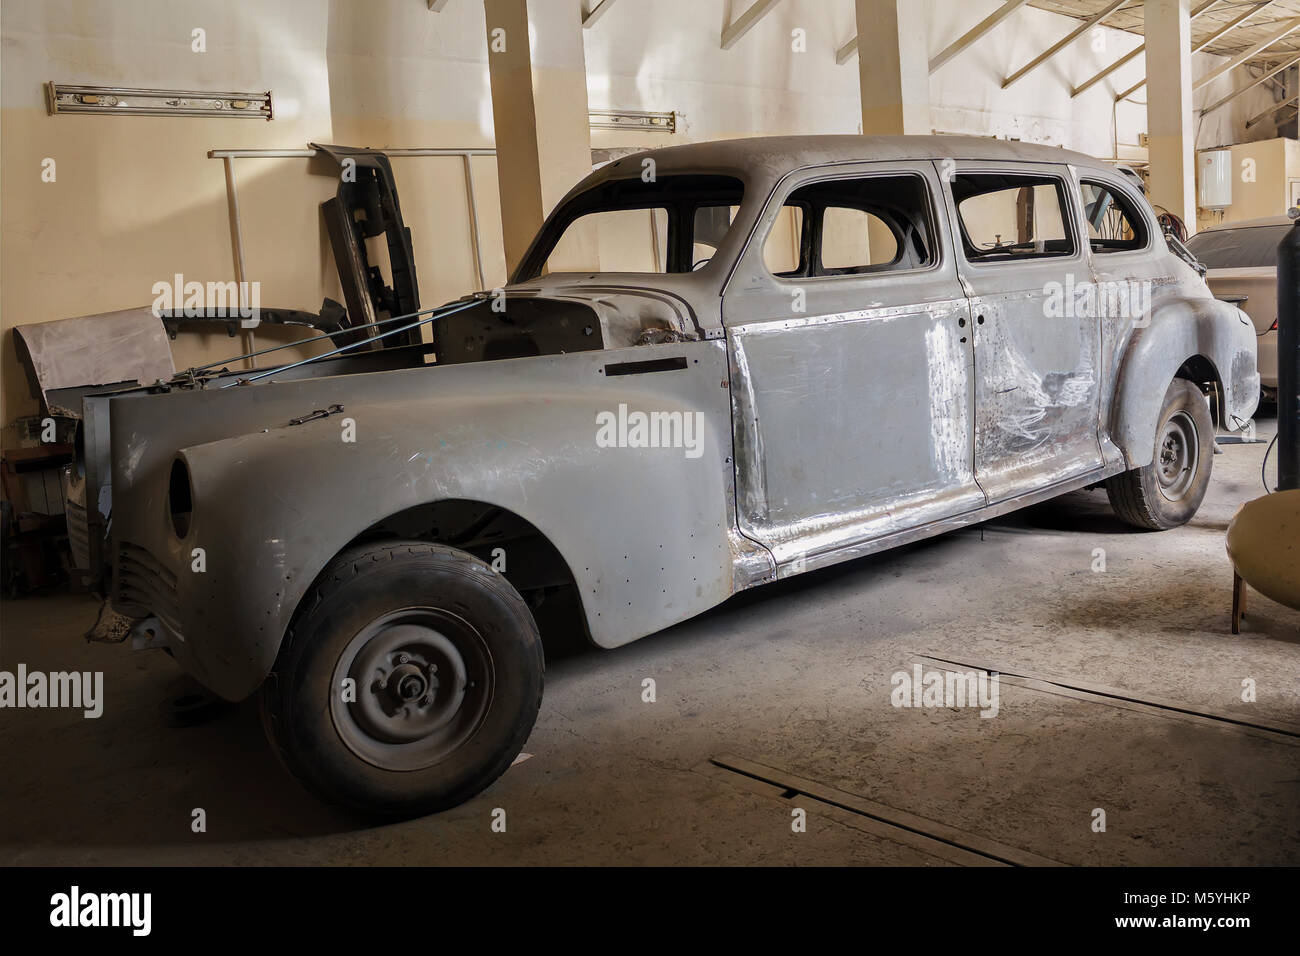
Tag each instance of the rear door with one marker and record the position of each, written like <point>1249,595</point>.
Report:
<point>1037,377</point>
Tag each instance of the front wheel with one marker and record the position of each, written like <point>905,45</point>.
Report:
<point>408,682</point>
<point>1166,493</point>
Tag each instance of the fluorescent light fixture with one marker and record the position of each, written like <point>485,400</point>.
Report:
<point>64,98</point>
<point>633,119</point>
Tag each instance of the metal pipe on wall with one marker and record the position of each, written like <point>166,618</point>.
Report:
<point>237,240</point>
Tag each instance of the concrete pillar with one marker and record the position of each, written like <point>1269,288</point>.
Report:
<point>893,67</point>
<point>1169,107</point>
<point>538,74</point>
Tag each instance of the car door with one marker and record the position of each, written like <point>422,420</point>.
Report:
<point>1037,345</point>
<point>850,354</point>
<point>1122,232</point>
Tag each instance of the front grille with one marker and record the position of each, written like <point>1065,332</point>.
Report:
<point>144,583</point>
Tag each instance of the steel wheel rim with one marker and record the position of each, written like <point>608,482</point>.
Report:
<point>1178,454</point>
<point>422,682</point>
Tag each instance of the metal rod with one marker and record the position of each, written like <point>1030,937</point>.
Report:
<point>316,338</point>
<point>237,239</point>
<point>351,345</point>
<point>473,220</point>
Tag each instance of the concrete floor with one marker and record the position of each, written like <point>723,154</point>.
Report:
<point>795,676</point>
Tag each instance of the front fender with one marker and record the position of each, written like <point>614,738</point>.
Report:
<point>1181,329</point>
<point>646,531</point>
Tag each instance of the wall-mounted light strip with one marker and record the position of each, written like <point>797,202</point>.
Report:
<point>64,98</point>
<point>633,119</point>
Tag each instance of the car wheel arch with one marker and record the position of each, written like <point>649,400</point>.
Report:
<point>502,538</point>
<point>1145,376</point>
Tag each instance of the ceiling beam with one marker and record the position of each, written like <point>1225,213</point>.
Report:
<point>1260,117</point>
<point>1287,64</point>
<point>1061,44</point>
<point>593,10</point>
<point>977,31</point>
<point>1231,25</point>
<point>847,51</point>
<point>732,33</point>
<point>1217,35</point>
<point>1107,71</point>
<point>1127,57</point>
<point>1287,28</point>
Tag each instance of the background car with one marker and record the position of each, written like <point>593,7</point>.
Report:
<point>1242,261</point>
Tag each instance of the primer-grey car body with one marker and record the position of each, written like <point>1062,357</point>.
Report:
<point>895,407</point>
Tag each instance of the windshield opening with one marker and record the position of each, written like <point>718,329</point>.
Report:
<point>671,224</point>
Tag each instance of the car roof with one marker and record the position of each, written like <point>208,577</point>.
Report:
<point>793,152</point>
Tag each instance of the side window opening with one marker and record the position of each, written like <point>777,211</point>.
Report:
<point>852,227</point>
<point>1005,216</point>
<point>1113,224</point>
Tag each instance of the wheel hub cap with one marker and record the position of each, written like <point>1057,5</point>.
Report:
<point>422,682</point>
<point>1177,456</point>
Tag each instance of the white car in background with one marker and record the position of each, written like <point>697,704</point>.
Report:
<point>1242,261</point>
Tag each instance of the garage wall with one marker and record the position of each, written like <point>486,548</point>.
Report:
<point>137,200</point>
<point>1262,174</point>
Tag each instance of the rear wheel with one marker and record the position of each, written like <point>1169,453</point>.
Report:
<point>408,682</point>
<point>1167,492</point>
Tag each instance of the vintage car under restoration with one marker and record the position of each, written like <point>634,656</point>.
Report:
<point>796,351</point>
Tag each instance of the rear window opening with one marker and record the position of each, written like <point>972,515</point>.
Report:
<point>1114,225</point>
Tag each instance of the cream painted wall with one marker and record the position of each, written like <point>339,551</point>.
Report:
<point>1261,172</point>
<point>137,200</point>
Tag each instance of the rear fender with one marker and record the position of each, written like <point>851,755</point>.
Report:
<point>1180,330</point>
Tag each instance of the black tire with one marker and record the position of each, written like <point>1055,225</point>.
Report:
<point>447,667</point>
<point>1166,493</point>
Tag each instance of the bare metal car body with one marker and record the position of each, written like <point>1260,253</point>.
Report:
<point>893,407</point>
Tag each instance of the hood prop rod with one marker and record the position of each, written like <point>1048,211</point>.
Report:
<point>190,372</point>
<point>352,345</point>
